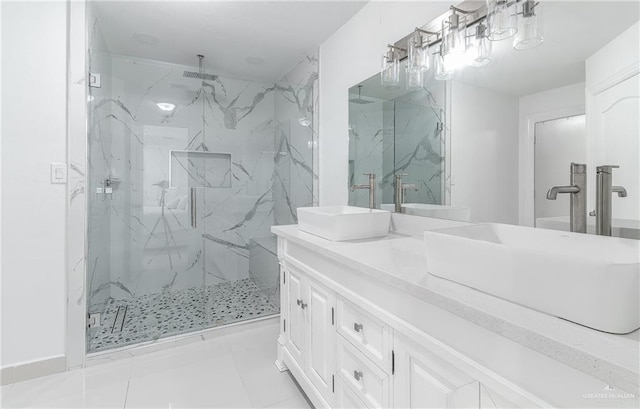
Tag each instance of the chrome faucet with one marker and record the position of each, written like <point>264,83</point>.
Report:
<point>578,198</point>
<point>400,190</point>
<point>604,190</point>
<point>372,189</point>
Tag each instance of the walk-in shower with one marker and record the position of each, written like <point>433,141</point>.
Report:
<point>188,171</point>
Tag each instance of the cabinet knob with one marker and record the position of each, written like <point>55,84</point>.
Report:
<point>303,305</point>
<point>298,302</point>
<point>357,327</point>
<point>357,375</point>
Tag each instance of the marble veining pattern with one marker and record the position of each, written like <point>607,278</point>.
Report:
<point>152,316</point>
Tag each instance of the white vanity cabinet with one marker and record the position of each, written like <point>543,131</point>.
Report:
<point>308,322</point>
<point>352,341</point>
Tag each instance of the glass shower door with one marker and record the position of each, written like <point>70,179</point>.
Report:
<point>145,268</point>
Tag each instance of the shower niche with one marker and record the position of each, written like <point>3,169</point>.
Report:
<point>206,165</point>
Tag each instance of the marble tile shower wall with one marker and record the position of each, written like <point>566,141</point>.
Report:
<point>295,180</point>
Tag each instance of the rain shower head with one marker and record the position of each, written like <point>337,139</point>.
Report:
<point>359,100</point>
<point>201,74</point>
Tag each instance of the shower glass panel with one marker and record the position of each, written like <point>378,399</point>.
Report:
<point>182,200</point>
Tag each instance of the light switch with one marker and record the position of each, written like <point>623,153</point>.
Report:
<point>58,173</point>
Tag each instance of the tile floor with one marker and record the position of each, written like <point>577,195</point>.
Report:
<point>229,371</point>
<point>153,316</point>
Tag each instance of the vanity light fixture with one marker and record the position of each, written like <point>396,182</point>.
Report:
<point>529,33</point>
<point>453,41</point>
<point>498,20</point>
<point>478,46</point>
<point>390,74</point>
<point>418,51</point>
<point>443,72</point>
<point>501,18</point>
<point>166,106</point>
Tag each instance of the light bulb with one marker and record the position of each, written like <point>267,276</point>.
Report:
<point>478,47</point>
<point>442,72</point>
<point>390,73</point>
<point>501,19</point>
<point>529,27</point>
<point>453,43</point>
<point>417,53</point>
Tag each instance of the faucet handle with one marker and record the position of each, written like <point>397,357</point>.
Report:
<point>606,168</point>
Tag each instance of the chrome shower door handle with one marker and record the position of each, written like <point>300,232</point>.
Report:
<point>192,207</point>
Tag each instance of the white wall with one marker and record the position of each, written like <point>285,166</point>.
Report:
<point>350,55</point>
<point>484,153</point>
<point>34,50</point>
<point>552,104</point>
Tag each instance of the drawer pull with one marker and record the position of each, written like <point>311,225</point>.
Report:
<point>357,327</point>
<point>357,375</point>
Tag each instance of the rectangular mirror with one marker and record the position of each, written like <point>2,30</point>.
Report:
<point>487,144</point>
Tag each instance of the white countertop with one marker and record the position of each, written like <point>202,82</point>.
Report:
<point>398,260</point>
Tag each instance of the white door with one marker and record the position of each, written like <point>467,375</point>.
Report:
<point>296,324</point>
<point>321,345</point>
<point>615,124</point>
<point>422,380</point>
<point>558,142</point>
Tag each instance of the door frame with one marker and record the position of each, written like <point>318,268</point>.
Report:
<point>527,151</point>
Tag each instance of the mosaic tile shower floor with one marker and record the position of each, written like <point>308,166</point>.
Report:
<point>154,316</point>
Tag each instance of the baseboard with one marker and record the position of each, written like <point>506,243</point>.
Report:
<point>34,369</point>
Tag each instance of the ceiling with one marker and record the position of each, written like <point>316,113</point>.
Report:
<point>256,40</point>
<point>573,31</point>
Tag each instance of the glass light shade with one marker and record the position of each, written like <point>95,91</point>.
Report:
<point>415,78</point>
<point>529,27</point>
<point>478,47</point>
<point>453,46</point>
<point>390,74</point>
<point>501,20</point>
<point>442,72</point>
<point>417,53</point>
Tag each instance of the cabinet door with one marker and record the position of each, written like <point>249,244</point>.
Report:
<point>320,354</point>
<point>296,324</point>
<point>422,380</point>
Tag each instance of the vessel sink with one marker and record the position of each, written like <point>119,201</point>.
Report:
<point>432,210</point>
<point>590,280</point>
<point>340,223</point>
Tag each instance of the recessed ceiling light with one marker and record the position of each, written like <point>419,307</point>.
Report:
<point>254,60</point>
<point>147,39</point>
<point>166,106</point>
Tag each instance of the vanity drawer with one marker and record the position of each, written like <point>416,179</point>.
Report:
<point>370,335</point>
<point>346,398</point>
<point>366,379</point>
